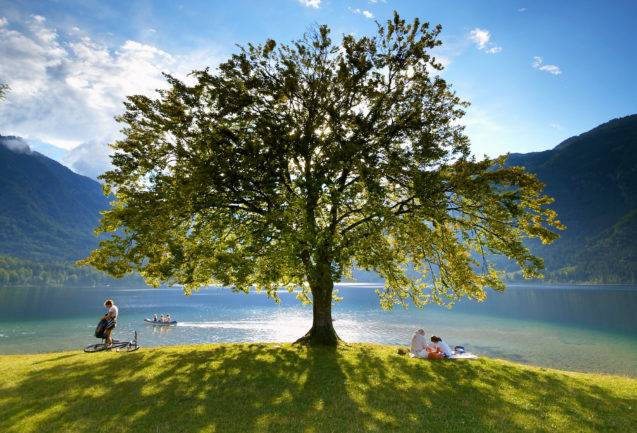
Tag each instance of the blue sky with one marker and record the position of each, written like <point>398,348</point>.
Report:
<point>536,72</point>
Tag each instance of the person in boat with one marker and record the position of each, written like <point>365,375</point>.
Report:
<point>419,347</point>
<point>154,317</point>
<point>161,317</point>
<point>441,349</point>
<point>168,318</point>
<point>111,319</point>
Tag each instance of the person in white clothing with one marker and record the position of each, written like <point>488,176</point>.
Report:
<point>440,347</point>
<point>111,319</point>
<point>419,347</point>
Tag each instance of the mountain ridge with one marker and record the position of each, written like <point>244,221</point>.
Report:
<point>593,178</point>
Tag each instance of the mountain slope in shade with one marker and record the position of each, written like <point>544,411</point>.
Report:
<point>593,178</point>
<point>48,213</point>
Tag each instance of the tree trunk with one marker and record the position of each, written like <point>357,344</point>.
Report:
<point>322,332</point>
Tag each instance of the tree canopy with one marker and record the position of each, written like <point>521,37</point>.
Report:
<point>4,88</point>
<point>292,164</point>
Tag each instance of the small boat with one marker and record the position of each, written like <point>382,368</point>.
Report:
<point>157,322</point>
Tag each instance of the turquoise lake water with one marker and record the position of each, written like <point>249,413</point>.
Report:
<point>577,328</point>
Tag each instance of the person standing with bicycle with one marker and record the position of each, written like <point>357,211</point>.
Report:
<point>111,319</point>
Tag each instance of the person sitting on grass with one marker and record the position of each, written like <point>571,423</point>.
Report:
<point>441,349</point>
<point>419,347</point>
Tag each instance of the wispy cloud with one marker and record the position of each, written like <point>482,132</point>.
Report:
<point>538,64</point>
<point>67,88</point>
<point>90,159</point>
<point>366,14</point>
<point>311,3</point>
<point>482,39</point>
<point>522,10</point>
<point>84,80</point>
<point>16,144</point>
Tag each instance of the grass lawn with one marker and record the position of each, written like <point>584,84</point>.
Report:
<point>286,388</point>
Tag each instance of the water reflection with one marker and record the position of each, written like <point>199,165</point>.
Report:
<point>160,329</point>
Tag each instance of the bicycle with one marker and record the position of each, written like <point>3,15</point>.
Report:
<point>128,346</point>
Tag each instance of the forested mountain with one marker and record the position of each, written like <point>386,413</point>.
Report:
<point>47,217</point>
<point>48,212</point>
<point>593,178</point>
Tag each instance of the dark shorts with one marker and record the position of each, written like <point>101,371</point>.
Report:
<point>111,323</point>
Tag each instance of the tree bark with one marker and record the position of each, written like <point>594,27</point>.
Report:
<point>322,332</point>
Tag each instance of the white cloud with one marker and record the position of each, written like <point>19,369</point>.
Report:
<point>3,21</point>
<point>16,144</point>
<point>357,11</point>
<point>70,91</point>
<point>522,10</point>
<point>482,39</point>
<point>538,64</point>
<point>312,3</point>
<point>66,89</point>
<point>90,159</point>
<point>555,70</point>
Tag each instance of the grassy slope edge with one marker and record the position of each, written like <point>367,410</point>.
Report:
<point>287,388</point>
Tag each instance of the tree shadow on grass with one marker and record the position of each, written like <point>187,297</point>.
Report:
<point>217,388</point>
<point>255,387</point>
<point>483,395</point>
<point>63,356</point>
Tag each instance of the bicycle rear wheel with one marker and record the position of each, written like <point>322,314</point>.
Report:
<point>98,347</point>
<point>131,347</point>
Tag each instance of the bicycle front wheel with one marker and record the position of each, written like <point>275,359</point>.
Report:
<point>98,347</point>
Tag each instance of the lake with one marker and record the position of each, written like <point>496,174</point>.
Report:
<point>577,328</point>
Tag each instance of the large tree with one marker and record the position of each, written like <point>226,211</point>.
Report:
<point>289,165</point>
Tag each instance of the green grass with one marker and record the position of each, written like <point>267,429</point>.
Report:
<point>286,388</point>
